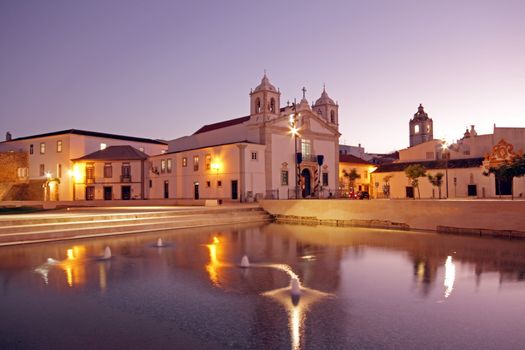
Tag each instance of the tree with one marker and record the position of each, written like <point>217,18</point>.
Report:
<point>351,175</point>
<point>386,186</point>
<point>436,181</point>
<point>414,172</point>
<point>507,172</point>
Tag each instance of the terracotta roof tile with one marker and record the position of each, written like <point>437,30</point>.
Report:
<point>222,124</point>
<point>115,153</point>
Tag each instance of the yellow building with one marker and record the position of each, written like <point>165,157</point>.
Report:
<point>363,168</point>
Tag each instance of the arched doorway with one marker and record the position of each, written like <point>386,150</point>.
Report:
<point>306,181</point>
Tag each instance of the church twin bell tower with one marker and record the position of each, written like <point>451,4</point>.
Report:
<point>421,127</point>
<point>265,103</point>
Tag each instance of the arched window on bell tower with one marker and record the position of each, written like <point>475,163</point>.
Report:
<point>332,116</point>
<point>258,105</point>
<point>272,105</point>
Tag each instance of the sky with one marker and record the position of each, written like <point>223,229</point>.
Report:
<point>162,69</point>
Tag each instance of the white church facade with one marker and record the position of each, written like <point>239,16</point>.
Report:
<point>274,152</point>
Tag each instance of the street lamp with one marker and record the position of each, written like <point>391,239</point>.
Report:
<point>446,153</point>
<point>295,131</point>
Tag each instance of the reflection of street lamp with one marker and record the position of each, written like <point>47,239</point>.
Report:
<point>295,131</point>
<point>216,166</point>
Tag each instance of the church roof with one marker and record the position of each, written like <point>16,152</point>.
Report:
<point>91,133</point>
<point>324,99</point>
<point>433,164</point>
<point>265,85</point>
<point>115,153</point>
<point>349,158</point>
<point>223,124</point>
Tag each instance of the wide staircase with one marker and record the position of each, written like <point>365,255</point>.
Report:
<point>32,228</point>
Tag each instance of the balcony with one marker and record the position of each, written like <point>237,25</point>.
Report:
<point>125,178</point>
<point>90,180</point>
<point>309,158</point>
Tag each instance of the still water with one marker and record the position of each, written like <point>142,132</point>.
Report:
<point>360,289</point>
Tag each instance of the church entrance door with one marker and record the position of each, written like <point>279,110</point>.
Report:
<point>306,177</point>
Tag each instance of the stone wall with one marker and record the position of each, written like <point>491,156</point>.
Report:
<point>474,217</point>
<point>9,163</point>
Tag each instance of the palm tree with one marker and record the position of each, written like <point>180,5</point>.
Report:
<point>436,181</point>
<point>414,172</point>
<point>351,175</point>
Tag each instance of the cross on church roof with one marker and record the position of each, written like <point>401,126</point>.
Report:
<point>304,93</point>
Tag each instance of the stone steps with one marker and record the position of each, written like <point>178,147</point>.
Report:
<point>141,222</point>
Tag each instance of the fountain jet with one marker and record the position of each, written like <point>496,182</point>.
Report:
<point>295,286</point>
<point>245,263</point>
<point>160,244</point>
<point>107,253</point>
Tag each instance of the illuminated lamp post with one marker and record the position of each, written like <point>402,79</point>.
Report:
<point>295,131</point>
<point>446,153</point>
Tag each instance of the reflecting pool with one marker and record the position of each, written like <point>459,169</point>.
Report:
<point>357,289</point>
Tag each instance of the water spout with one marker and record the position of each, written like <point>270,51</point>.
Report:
<point>107,253</point>
<point>245,262</point>
<point>295,286</point>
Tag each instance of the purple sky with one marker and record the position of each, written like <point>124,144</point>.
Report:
<point>161,69</point>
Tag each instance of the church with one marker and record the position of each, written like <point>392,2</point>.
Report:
<point>275,151</point>
<point>462,163</point>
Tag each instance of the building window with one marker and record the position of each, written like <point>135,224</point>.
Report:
<point>325,179</point>
<point>108,170</point>
<point>254,155</point>
<point>184,162</point>
<point>31,151</point>
<point>208,161</point>
<point>416,129</point>
<point>59,146</point>
<point>103,146</point>
<point>42,147</point>
<point>332,117</point>
<point>306,147</point>
<point>168,165</point>
<point>208,183</point>
<point>272,105</point>
<point>90,171</point>
<point>163,166</point>
<point>22,173</point>
<point>59,171</point>
<point>258,105</point>
<point>284,177</point>
<point>126,170</point>
<point>150,183</point>
<point>195,163</point>
<point>219,183</point>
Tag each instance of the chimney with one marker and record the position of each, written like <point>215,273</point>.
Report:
<point>8,136</point>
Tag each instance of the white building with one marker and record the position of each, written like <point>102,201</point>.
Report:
<point>51,155</point>
<point>274,152</point>
<point>463,164</point>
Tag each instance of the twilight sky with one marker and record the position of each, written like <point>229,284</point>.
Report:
<point>161,69</point>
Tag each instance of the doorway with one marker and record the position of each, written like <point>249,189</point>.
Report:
<point>108,193</point>
<point>166,189</point>
<point>306,177</point>
<point>90,193</point>
<point>410,192</point>
<point>235,194</point>
<point>126,193</point>
<point>196,190</point>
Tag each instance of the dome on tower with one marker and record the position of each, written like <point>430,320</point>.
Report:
<point>265,85</point>
<point>421,114</point>
<point>324,99</point>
